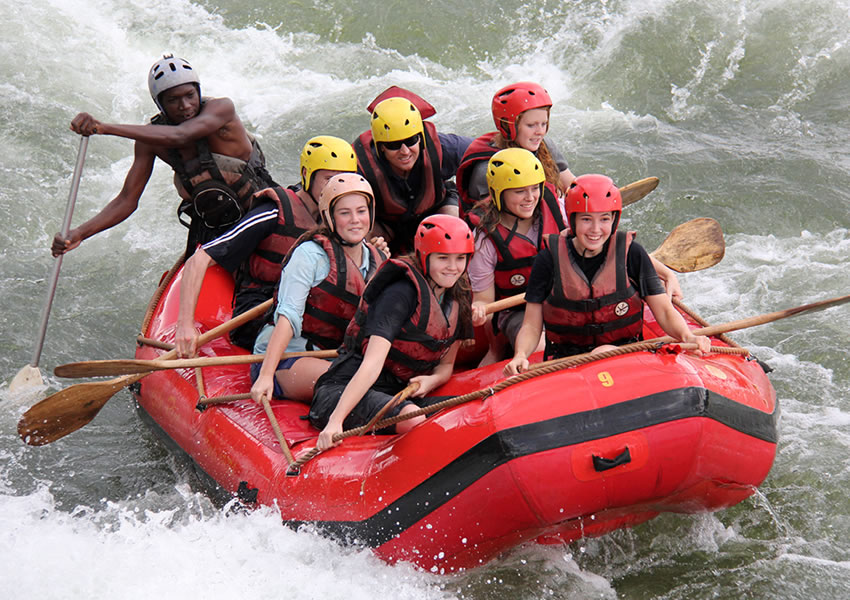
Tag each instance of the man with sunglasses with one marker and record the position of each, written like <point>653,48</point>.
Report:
<point>409,165</point>
<point>218,165</point>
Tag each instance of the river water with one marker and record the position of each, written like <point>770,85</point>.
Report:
<point>740,107</point>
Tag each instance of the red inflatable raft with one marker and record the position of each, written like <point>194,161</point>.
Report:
<point>579,452</point>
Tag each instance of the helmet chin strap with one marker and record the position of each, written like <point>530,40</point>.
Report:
<point>506,211</point>
<point>342,242</point>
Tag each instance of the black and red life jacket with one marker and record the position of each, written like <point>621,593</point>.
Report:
<point>479,150</point>
<point>332,303</point>
<point>580,313</point>
<point>390,208</point>
<point>265,263</point>
<point>516,252</point>
<point>423,340</point>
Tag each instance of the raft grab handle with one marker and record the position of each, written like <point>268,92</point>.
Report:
<point>600,463</point>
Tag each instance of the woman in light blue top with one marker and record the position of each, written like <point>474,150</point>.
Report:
<point>320,286</point>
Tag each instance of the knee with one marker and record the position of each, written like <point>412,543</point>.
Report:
<point>603,348</point>
<point>408,424</point>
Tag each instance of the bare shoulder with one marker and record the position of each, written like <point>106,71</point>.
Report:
<point>224,111</point>
<point>221,109</point>
<point>220,104</point>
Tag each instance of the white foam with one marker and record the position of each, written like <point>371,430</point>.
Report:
<point>129,551</point>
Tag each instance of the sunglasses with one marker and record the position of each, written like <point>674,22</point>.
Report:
<point>396,145</point>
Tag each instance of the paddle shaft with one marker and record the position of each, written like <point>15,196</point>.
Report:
<point>57,262</point>
<point>210,335</point>
<point>104,368</point>
<point>714,330</point>
<point>111,368</point>
<point>230,325</point>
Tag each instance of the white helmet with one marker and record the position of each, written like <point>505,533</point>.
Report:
<point>170,72</point>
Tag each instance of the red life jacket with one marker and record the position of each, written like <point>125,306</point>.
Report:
<point>293,219</point>
<point>423,340</point>
<point>516,252</point>
<point>331,304</point>
<point>578,313</point>
<point>390,208</point>
<point>479,150</point>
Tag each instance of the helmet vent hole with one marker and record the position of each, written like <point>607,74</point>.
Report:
<point>448,237</point>
<point>516,171</point>
<point>334,154</point>
<point>173,68</point>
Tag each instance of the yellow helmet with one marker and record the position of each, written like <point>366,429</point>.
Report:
<point>512,168</point>
<point>395,119</point>
<point>325,152</point>
<point>342,185</point>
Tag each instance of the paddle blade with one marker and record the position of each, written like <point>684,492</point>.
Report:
<point>633,192</point>
<point>693,246</point>
<point>66,411</point>
<point>27,377</point>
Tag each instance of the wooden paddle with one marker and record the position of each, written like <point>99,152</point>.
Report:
<point>284,447</point>
<point>692,246</point>
<point>67,410</point>
<point>129,366</point>
<point>29,375</point>
<point>633,192</point>
<point>711,330</point>
<point>114,367</point>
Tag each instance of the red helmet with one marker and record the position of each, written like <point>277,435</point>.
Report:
<point>442,234</point>
<point>513,100</point>
<point>593,193</point>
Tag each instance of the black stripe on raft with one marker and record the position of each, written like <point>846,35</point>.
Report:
<point>560,432</point>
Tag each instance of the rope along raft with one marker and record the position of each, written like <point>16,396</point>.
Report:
<point>537,371</point>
